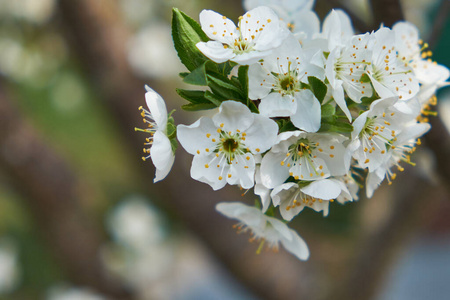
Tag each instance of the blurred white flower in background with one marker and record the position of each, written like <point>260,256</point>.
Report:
<point>143,255</point>
<point>151,52</point>
<point>9,271</point>
<point>36,11</point>
<point>72,293</point>
<point>135,224</point>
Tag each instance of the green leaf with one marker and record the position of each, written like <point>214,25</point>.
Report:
<point>174,144</point>
<point>328,110</point>
<point>258,204</point>
<point>226,67</point>
<point>186,33</point>
<point>214,98</point>
<point>285,125</point>
<point>364,78</point>
<point>198,76</point>
<point>183,74</point>
<point>195,97</point>
<point>335,126</point>
<point>225,89</point>
<point>199,106</point>
<point>243,80</point>
<point>318,88</point>
<point>171,128</point>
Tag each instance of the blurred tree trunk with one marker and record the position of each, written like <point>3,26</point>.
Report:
<point>53,196</point>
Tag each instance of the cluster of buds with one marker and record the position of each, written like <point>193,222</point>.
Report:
<point>305,116</point>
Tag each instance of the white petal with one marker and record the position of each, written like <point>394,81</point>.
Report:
<point>217,28</point>
<point>358,124</point>
<point>338,95</point>
<point>261,190</point>
<point>430,73</point>
<point>270,31</point>
<point>216,51</point>
<point>334,154</point>
<point>337,28</point>
<point>281,228</point>
<point>259,82</point>
<point>323,189</point>
<point>250,57</point>
<point>275,105</point>
<point>162,155</point>
<point>296,246</point>
<point>234,116</point>
<point>273,173</point>
<point>242,171</point>
<point>204,169</point>
<point>261,135</point>
<point>310,170</point>
<point>248,215</point>
<point>307,117</point>
<point>157,108</point>
<point>412,132</point>
<point>197,137</point>
<point>283,192</point>
<point>373,180</point>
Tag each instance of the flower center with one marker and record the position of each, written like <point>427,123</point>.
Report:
<point>301,148</point>
<point>230,145</point>
<point>241,46</point>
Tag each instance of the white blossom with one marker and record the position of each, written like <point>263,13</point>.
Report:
<point>292,197</point>
<point>135,224</point>
<point>375,130</point>
<point>399,151</point>
<point>265,228</point>
<point>159,145</point>
<point>304,156</point>
<point>344,68</point>
<point>224,146</point>
<point>277,81</point>
<point>337,29</point>
<point>349,187</point>
<point>297,14</point>
<point>389,76</point>
<point>258,33</point>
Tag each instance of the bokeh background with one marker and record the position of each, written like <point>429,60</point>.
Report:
<point>81,219</point>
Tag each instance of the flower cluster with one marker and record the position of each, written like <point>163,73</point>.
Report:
<point>306,115</point>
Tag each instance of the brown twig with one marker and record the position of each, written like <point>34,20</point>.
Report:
<point>387,12</point>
